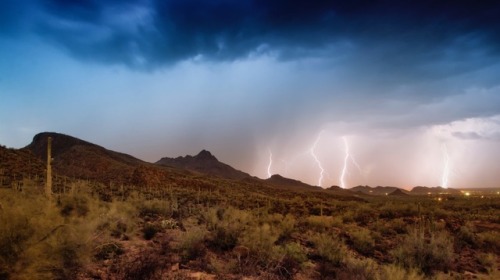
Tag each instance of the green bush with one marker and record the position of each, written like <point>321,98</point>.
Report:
<point>226,226</point>
<point>491,241</point>
<point>15,232</point>
<point>108,251</point>
<point>466,235</point>
<point>292,259</point>
<point>287,226</point>
<point>395,272</point>
<point>362,241</point>
<point>42,239</point>
<point>154,208</point>
<point>363,269</point>
<point>487,260</point>
<point>75,204</point>
<point>398,225</point>
<point>192,244</point>
<point>319,223</point>
<point>364,215</point>
<point>261,242</point>
<point>426,254</point>
<point>330,248</point>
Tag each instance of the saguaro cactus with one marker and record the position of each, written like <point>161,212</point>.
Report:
<point>48,183</point>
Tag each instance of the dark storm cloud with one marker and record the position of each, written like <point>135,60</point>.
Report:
<point>152,33</point>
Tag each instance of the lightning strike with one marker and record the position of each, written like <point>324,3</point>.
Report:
<point>318,162</point>
<point>269,174</point>
<point>346,158</point>
<point>446,168</point>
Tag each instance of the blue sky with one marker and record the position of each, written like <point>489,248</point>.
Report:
<point>409,84</point>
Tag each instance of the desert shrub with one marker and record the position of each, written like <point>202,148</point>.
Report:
<point>364,215</point>
<point>108,251</point>
<point>319,223</point>
<point>211,218</point>
<point>148,264</point>
<point>75,204</point>
<point>487,260</point>
<point>330,248</point>
<point>224,238</point>
<point>119,219</point>
<point>154,208</point>
<point>292,259</point>
<point>149,230</point>
<point>192,244</point>
<point>284,224</point>
<point>441,213</point>
<point>466,235</point>
<point>398,225</point>
<point>395,272</point>
<point>261,242</point>
<point>168,224</point>
<point>42,239</point>
<point>348,217</point>
<point>362,241</point>
<point>491,241</point>
<point>362,269</point>
<point>226,226</point>
<point>15,232</point>
<point>62,250</point>
<point>426,254</point>
<point>287,226</point>
<point>398,210</point>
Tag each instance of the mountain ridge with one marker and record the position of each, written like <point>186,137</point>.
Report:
<point>206,163</point>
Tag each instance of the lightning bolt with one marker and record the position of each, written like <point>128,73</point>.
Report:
<point>346,158</point>
<point>269,174</point>
<point>318,162</point>
<point>446,168</point>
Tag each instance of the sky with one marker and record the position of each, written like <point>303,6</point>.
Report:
<point>390,93</point>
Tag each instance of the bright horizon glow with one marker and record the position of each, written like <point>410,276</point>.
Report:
<point>446,168</point>
<point>344,168</point>
<point>316,159</point>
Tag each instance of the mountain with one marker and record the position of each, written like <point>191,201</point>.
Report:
<point>76,158</point>
<point>379,190</point>
<point>17,166</point>
<point>205,163</point>
<point>399,192</point>
<point>278,180</point>
<point>433,190</point>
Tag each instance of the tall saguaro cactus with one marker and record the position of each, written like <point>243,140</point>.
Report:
<point>48,183</point>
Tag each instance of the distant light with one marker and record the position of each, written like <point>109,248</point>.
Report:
<point>498,192</point>
<point>386,194</point>
<point>439,199</point>
<point>482,196</point>
<point>467,193</point>
<point>429,193</point>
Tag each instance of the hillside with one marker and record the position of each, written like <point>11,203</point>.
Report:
<point>166,222</point>
<point>278,180</point>
<point>19,165</point>
<point>206,163</point>
<point>76,158</point>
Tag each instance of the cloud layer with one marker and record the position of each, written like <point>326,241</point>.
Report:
<point>148,34</point>
<point>398,78</point>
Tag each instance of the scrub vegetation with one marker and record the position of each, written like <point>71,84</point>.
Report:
<point>216,229</point>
